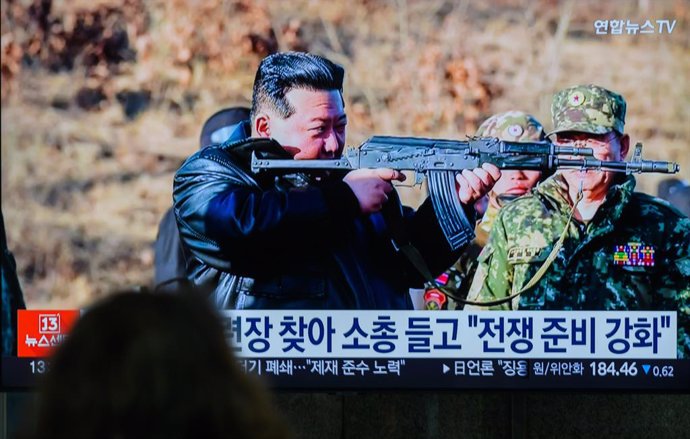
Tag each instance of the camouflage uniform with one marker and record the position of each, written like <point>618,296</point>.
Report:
<point>514,126</point>
<point>584,275</point>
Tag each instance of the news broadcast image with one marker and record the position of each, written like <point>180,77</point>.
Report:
<point>363,196</point>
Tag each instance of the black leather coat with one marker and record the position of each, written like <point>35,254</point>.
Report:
<point>290,242</point>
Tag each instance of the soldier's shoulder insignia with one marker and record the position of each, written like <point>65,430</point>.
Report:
<point>518,255</point>
<point>634,254</point>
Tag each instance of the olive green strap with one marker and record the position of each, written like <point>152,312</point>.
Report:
<point>418,262</point>
<point>554,252</point>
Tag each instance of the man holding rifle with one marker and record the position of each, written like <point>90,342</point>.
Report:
<point>584,240</point>
<point>299,241</point>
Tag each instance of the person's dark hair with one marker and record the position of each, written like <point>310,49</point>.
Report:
<point>281,72</point>
<point>220,122</point>
<point>139,365</point>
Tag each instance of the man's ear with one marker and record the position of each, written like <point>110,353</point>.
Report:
<point>262,125</point>
<point>625,145</point>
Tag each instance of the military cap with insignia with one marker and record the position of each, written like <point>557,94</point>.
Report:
<point>587,109</point>
<point>513,126</point>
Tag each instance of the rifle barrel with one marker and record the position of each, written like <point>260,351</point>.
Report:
<point>615,166</point>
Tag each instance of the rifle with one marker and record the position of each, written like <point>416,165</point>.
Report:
<point>439,160</point>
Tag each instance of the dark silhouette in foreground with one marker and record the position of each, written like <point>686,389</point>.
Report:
<point>139,365</point>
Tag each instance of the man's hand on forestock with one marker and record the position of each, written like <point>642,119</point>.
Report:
<point>474,184</point>
<point>371,186</point>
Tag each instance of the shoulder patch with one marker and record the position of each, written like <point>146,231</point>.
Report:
<point>521,255</point>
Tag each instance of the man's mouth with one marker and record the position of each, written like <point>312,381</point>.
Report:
<point>517,190</point>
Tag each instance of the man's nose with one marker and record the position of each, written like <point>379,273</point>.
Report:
<point>518,174</point>
<point>580,142</point>
<point>331,145</point>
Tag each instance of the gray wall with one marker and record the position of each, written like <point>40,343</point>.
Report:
<point>463,414</point>
<point>486,415</point>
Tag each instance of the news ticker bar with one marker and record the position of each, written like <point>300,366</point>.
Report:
<point>412,334</point>
<point>435,373</point>
<point>452,334</point>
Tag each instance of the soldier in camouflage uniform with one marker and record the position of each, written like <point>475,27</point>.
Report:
<point>514,126</point>
<point>621,250</point>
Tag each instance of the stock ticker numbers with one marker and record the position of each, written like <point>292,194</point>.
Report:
<point>611,368</point>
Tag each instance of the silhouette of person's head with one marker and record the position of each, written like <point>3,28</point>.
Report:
<point>220,124</point>
<point>151,366</point>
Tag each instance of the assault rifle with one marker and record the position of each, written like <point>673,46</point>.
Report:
<point>439,160</point>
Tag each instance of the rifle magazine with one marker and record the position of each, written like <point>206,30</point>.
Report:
<point>451,215</point>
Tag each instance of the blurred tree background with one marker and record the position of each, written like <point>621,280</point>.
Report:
<point>103,99</point>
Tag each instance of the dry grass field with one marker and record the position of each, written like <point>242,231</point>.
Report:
<point>103,99</point>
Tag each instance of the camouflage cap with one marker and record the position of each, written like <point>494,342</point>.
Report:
<point>514,126</point>
<point>587,109</point>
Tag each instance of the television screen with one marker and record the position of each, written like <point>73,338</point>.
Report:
<point>571,271</point>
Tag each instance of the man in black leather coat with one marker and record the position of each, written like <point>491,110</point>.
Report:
<point>169,265</point>
<point>262,241</point>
